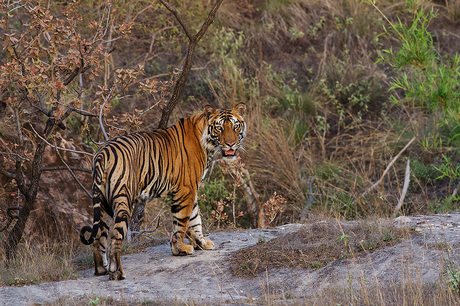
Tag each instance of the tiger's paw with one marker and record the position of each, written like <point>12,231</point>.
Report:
<point>204,244</point>
<point>117,275</point>
<point>179,248</point>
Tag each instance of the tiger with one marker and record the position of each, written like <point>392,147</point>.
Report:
<point>143,165</point>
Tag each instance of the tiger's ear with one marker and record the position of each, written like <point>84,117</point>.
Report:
<point>240,108</point>
<point>209,111</point>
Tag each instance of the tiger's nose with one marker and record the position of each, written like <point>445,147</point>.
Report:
<point>230,144</point>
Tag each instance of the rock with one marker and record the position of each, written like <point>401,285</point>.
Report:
<point>156,275</point>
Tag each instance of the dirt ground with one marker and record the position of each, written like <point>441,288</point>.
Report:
<point>220,277</point>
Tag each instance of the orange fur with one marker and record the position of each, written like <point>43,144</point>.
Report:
<point>144,165</point>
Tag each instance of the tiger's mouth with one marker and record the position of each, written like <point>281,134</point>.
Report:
<point>229,153</point>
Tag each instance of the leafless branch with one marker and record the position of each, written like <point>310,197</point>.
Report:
<point>53,146</point>
<point>176,14</point>
<point>209,20</point>
<point>99,29</point>
<point>80,111</point>
<point>141,11</point>
<point>388,167</point>
<point>15,154</point>
<point>193,40</point>
<point>149,109</point>
<point>19,129</point>
<point>155,218</point>
<point>57,168</point>
<point>78,70</point>
<point>153,39</point>
<point>106,99</point>
<point>146,232</point>
<point>72,173</point>
<point>7,173</point>
<point>92,140</point>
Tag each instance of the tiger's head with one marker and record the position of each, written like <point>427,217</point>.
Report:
<point>226,129</point>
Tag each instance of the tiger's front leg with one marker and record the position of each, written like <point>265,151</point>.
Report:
<point>181,209</point>
<point>195,231</point>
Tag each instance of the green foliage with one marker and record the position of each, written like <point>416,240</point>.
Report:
<point>449,169</point>
<point>427,78</point>
<point>213,190</point>
<point>387,235</point>
<point>344,238</point>
<point>350,92</point>
<point>452,276</point>
<point>427,173</point>
<point>94,302</point>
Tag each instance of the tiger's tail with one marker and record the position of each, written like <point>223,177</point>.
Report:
<point>97,219</point>
<point>83,231</point>
<point>97,182</point>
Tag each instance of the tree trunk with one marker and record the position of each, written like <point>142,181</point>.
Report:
<point>167,110</point>
<point>30,194</point>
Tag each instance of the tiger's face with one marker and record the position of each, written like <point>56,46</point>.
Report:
<point>226,130</point>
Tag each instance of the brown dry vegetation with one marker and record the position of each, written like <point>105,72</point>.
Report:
<point>315,245</point>
<point>322,128</point>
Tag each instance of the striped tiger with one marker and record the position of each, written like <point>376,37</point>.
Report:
<point>143,165</point>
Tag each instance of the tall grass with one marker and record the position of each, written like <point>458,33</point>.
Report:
<point>322,125</point>
<point>45,262</point>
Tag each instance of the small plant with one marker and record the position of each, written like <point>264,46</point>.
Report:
<point>344,238</point>
<point>94,302</point>
<point>296,33</point>
<point>235,170</point>
<point>387,235</point>
<point>449,169</point>
<point>452,276</point>
<point>219,216</point>
<point>316,265</point>
<point>273,207</point>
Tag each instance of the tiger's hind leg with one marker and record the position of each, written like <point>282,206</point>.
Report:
<point>100,246</point>
<point>119,230</point>
<point>195,231</point>
<point>100,241</point>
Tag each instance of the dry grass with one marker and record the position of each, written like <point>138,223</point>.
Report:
<point>408,293</point>
<point>315,245</point>
<point>43,263</point>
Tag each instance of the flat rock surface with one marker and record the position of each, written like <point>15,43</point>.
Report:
<point>205,277</point>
